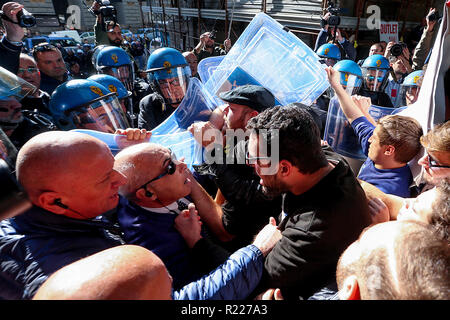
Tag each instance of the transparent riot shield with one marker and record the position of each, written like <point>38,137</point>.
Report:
<point>276,59</point>
<point>207,66</point>
<point>12,85</point>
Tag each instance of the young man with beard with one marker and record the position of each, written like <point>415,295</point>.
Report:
<point>324,208</point>
<point>206,47</point>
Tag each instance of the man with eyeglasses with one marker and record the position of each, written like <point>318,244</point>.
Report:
<point>159,188</point>
<point>324,208</point>
<point>29,72</point>
<point>51,65</point>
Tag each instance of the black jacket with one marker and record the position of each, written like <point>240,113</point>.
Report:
<point>9,55</point>
<point>153,111</point>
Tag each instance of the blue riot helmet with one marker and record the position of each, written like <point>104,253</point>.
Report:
<point>351,75</point>
<point>329,53</point>
<point>169,73</point>
<point>116,62</point>
<point>411,87</point>
<point>114,85</point>
<point>86,104</point>
<point>375,70</point>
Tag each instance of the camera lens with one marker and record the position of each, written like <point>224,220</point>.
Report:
<point>396,50</point>
<point>26,19</point>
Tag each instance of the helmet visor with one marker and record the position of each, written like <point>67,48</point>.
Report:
<point>105,115</point>
<point>173,89</point>
<point>124,73</point>
<point>351,82</point>
<point>374,78</point>
<point>330,62</point>
<point>409,94</point>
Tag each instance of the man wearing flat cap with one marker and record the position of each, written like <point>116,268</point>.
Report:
<point>237,184</point>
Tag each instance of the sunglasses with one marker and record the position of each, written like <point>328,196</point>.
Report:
<point>169,170</point>
<point>433,164</point>
<point>372,78</point>
<point>29,70</point>
<point>42,47</point>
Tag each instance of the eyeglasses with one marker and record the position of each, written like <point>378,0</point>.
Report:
<point>169,170</point>
<point>433,164</point>
<point>42,47</point>
<point>252,160</point>
<point>29,70</point>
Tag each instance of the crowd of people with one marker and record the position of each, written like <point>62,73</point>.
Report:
<point>139,224</point>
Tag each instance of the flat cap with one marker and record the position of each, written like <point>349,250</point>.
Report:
<point>256,97</point>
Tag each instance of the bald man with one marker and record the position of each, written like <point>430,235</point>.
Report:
<point>70,179</point>
<point>192,60</point>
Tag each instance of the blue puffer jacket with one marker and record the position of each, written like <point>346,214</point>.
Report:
<point>36,243</point>
<point>234,280</point>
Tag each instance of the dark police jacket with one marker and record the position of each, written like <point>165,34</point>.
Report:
<point>36,243</point>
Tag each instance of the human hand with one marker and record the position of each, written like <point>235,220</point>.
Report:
<point>204,37</point>
<point>14,32</point>
<point>339,36</point>
<point>205,133</point>
<point>227,44</point>
<point>363,103</point>
<point>378,210</point>
<point>333,78</point>
<point>189,225</point>
<point>270,294</point>
<point>387,52</point>
<point>131,136</point>
<point>268,237</point>
<point>430,24</point>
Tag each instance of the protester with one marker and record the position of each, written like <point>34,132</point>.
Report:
<point>401,68</point>
<point>206,47</point>
<point>157,201</point>
<point>191,58</point>
<point>29,72</point>
<point>422,50</point>
<point>51,65</point>
<point>237,182</point>
<point>149,280</point>
<point>324,208</point>
<point>389,145</point>
<point>400,260</point>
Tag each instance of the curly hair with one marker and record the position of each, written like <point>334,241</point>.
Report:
<point>440,217</point>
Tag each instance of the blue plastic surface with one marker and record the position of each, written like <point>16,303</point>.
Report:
<point>274,58</point>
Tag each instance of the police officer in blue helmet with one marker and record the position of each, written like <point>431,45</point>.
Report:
<point>124,96</point>
<point>329,53</point>
<point>86,104</point>
<point>410,88</point>
<point>116,62</point>
<point>375,71</point>
<point>351,75</point>
<point>168,74</point>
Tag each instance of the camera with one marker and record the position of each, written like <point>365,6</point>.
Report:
<point>108,12</point>
<point>397,49</point>
<point>434,16</point>
<point>334,20</point>
<point>25,19</point>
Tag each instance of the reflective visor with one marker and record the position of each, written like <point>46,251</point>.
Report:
<point>174,89</point>
<point>374,79</point>
<point>351,82</point>
<point>105,115</point>
<point>124,73</point>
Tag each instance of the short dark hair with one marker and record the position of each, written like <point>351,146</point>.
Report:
<point>403,133</point>
<point>299,136</point>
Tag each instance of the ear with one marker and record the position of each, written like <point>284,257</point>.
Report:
<point>141,194</point>
<point>389,151</point>
<point>350,289</point>
<point>285,168</point>
<point>46,200</point>
<point>250,115</point>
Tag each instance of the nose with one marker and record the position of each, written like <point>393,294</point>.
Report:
<point>423,161</point>
<point>119,179</point>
